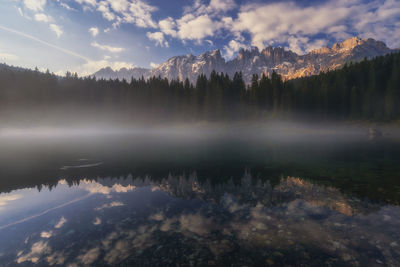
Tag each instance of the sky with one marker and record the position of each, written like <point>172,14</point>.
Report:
<point>85,35</point>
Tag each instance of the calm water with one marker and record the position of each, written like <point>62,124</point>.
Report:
<point>194,197</point>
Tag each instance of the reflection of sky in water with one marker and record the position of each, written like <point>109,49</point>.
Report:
<point>178,220</point>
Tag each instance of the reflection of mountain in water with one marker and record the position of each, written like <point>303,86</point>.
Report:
<point>181,220</point>
<point>250,191</point>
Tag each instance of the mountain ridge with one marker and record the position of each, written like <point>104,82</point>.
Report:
<point>251,61</point>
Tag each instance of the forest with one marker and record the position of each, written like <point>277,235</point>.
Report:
<point>368,90</point>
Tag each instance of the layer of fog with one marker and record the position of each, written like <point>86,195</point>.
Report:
<point>272,131</point>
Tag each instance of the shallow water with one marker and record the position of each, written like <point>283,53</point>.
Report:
<point>210,198</point>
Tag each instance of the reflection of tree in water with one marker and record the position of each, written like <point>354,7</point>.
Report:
<point>293,222</point>
<point>252,191</point>
<point>249,222</point>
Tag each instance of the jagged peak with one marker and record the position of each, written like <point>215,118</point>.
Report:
<point>108,68</point>
<point>212,53</point>
<point>347,44</point>
<point>351,43</point>
<point>252,60</point>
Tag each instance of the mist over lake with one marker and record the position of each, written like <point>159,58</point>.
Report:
<point>204,192</point>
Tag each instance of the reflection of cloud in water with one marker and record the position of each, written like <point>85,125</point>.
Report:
<point>196,223</point>
<point>97,188</point>
<point>159,216</point>
<point>292,219</point>
<point>109,239</point>
<point>5,199</point>
<point>38,249</point>
<point>120,251</point>
<point>90,256</point>
<point>56,258</point>
<point>44,212</point>
<point>45,234</point>
<point>60,223</point>
<point>121,244</point>
<point>111,205</point>
<point>97,221</point>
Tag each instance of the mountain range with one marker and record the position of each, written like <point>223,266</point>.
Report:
<point>253,61</point>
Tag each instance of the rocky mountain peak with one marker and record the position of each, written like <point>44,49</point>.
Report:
<point>348,44</point>
<point>245,54</point>
<point>252,61</point>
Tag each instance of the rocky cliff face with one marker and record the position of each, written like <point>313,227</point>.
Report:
<point>287,63</point>
<point>189,66</point>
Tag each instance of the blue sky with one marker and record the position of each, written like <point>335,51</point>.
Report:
<point>85,35</point>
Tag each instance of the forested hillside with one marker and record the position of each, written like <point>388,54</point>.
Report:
<point>368,90</point>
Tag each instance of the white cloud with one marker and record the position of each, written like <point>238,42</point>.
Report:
<point>94,31</point>
<point>196,28</point>
<point>315,45</point>
<point>154,65</point>
<point>283,22</point>
<point>296,44</point>
<point>168,26</point>
<point>222,5</point>
<point>89,2</point>
<point>20,12</point>
<point>158,38</point>
<point>56,29</point>
<point>232,48</point>
<point>35,5</point>
<point>215,7</point>
<point>66,6</point>
<point>139,13</point>
<point>379,20</point>
<point>287,23</point>
<point>199,20</point>
<point>43,17</point>
<point>105,11</point>
<point>111,49</point>
<point>119,5</point>
<point>136,12</point>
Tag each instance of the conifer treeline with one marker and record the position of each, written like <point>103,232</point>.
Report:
<point>368,90</point>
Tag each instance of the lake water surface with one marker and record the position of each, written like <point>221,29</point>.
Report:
<point>233,196</point>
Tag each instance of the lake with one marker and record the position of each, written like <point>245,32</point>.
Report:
<point>240,195</point>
